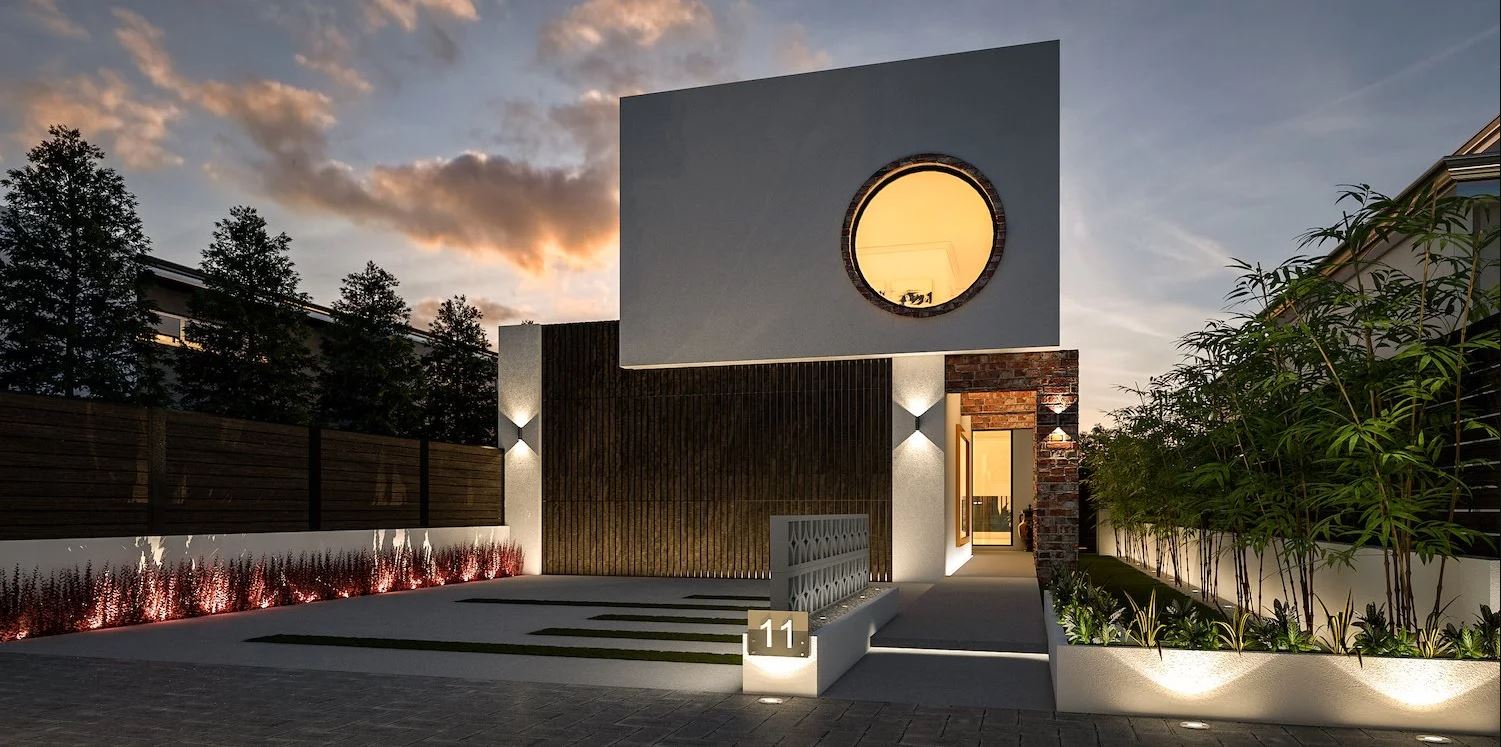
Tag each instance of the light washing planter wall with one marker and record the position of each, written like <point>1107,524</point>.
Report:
<point>835,645</point>
<point>49,555</point>
<point>1440,695</point>
<point>1468,582</point>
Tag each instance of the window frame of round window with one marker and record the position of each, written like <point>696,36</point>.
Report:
<point>890,173</point>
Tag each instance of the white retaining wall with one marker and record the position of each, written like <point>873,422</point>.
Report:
<point>49,555</point>
<point>1469,582</point>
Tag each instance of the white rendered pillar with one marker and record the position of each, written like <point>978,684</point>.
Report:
<point>520,427</point>
<point>918,433</point>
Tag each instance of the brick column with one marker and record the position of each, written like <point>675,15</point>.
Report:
<point>1055,509</point>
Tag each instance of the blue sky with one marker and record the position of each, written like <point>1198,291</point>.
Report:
<point>468,145</point>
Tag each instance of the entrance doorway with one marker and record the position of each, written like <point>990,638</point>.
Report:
<point>991,508</point>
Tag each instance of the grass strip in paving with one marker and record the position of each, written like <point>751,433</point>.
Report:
<point>729,596</point>
<point>614,617</point>
<point>643,635</point>
<point>514,649</point>
<point>627,605</point>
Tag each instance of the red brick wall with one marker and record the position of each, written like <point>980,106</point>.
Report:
<point>995,380</point>
<point>999,410</point>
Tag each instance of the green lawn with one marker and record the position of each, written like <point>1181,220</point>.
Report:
<point>516,649</point>
<point>1122,579</point>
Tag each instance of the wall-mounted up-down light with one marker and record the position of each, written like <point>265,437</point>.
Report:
<point>518,430</point>
<point>911,418</point>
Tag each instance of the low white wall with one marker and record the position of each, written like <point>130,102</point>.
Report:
<point>832,650</point>
<point>1441,695</point>
<point>49,555</point>
<point>1469,582</point>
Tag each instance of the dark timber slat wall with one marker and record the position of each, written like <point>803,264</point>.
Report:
<point>77,468</point>
<point>676,472</point>
<point>369,482</point>
<point>71,468</point>
<point>228,475</point>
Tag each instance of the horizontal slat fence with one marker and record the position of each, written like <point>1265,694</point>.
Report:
<point>79,468</point>
<point>677,472</point>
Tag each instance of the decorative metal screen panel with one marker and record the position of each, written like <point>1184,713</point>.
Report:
<point>818,560</point>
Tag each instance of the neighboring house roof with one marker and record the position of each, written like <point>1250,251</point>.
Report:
<point>191,278</point>
<point>1476,162</point>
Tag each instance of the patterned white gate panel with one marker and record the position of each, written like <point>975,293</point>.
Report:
<point>818,560</point>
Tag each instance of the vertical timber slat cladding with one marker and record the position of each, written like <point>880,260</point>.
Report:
<point>677,472</point>
<point>81,468</point>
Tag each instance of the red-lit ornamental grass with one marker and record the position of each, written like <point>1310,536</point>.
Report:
<point>75,600</point>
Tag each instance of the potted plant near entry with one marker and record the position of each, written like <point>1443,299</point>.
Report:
<point>1025,528</point>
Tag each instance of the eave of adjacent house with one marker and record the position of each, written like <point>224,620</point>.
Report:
<point>1478,159</point>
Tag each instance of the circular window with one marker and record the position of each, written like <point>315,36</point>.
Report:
<point>923,235</point>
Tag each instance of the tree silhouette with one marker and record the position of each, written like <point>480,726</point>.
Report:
<point>372,379</point>
<point>460,376</point>
<point>247,354</point>
<point>73,317</point>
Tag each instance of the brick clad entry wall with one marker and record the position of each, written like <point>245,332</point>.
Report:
<point>993,387</point>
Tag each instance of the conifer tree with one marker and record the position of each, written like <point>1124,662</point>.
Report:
<point>74,320</point>
<point>248,354</point>
<point>460,376</point>
<point>372,378</point>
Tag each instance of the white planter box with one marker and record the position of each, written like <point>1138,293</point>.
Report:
<point>833,649</point>
<point>1442,695</point>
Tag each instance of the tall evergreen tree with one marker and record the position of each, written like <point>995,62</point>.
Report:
<point>372,379</point>
<point>248,355</point>
<point>74,320</point>
<point>460,375</point>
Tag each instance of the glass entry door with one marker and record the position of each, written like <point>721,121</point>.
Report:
<point>992,516</point>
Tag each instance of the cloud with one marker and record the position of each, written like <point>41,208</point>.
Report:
<point>797,55</point>
<point>327,50</point>
<point>618,46</point>
<point>50,17</point>
<point>107,111</point>
<point>494,312</point>
<point>406,13</point>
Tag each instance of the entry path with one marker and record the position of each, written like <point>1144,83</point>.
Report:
<point>61,701</point>
<point>974,639</point>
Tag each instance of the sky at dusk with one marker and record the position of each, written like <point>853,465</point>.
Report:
<point>469,146</point>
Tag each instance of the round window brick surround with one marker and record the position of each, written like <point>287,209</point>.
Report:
<point>894,170</point>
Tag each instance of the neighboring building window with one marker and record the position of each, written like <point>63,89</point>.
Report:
<point>923,235</point>
<point>172,329</point>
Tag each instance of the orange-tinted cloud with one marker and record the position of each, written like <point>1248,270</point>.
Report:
<point>619,46</point>
<point>50,17</point>
<point>493,312</point>
<point>108,112</point>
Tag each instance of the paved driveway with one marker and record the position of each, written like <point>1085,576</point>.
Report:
<point>59,701</point>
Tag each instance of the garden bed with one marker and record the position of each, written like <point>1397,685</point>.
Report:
<point>1288,688</point>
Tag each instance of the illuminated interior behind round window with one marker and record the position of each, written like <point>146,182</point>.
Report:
<point>924,238</point>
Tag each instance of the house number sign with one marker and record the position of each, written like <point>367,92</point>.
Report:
<point>776,633</point>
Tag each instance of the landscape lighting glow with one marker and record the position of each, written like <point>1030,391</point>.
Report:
<point>769,700</point>
<point>1434,739</point>
<point>1195,725</point>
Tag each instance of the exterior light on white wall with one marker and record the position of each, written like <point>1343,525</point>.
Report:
<point>911,418</point>
<point>518,430</point>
